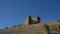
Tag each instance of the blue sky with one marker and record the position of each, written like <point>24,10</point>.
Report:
<point>13,12</point>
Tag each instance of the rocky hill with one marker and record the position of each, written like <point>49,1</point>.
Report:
<point>34,27</point>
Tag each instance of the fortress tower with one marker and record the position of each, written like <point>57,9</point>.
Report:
<point>28,20</point>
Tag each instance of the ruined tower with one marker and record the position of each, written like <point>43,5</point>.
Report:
<point>28,20</point>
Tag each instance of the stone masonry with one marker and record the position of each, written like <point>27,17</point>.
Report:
<point>29,20</point>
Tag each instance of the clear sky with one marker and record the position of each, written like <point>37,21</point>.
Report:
<point>13,12</point>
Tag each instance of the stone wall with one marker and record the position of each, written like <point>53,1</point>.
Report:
<point>29,20</point>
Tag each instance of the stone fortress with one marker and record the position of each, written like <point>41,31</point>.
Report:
<point>34,26</point>
<point>29,20</point>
